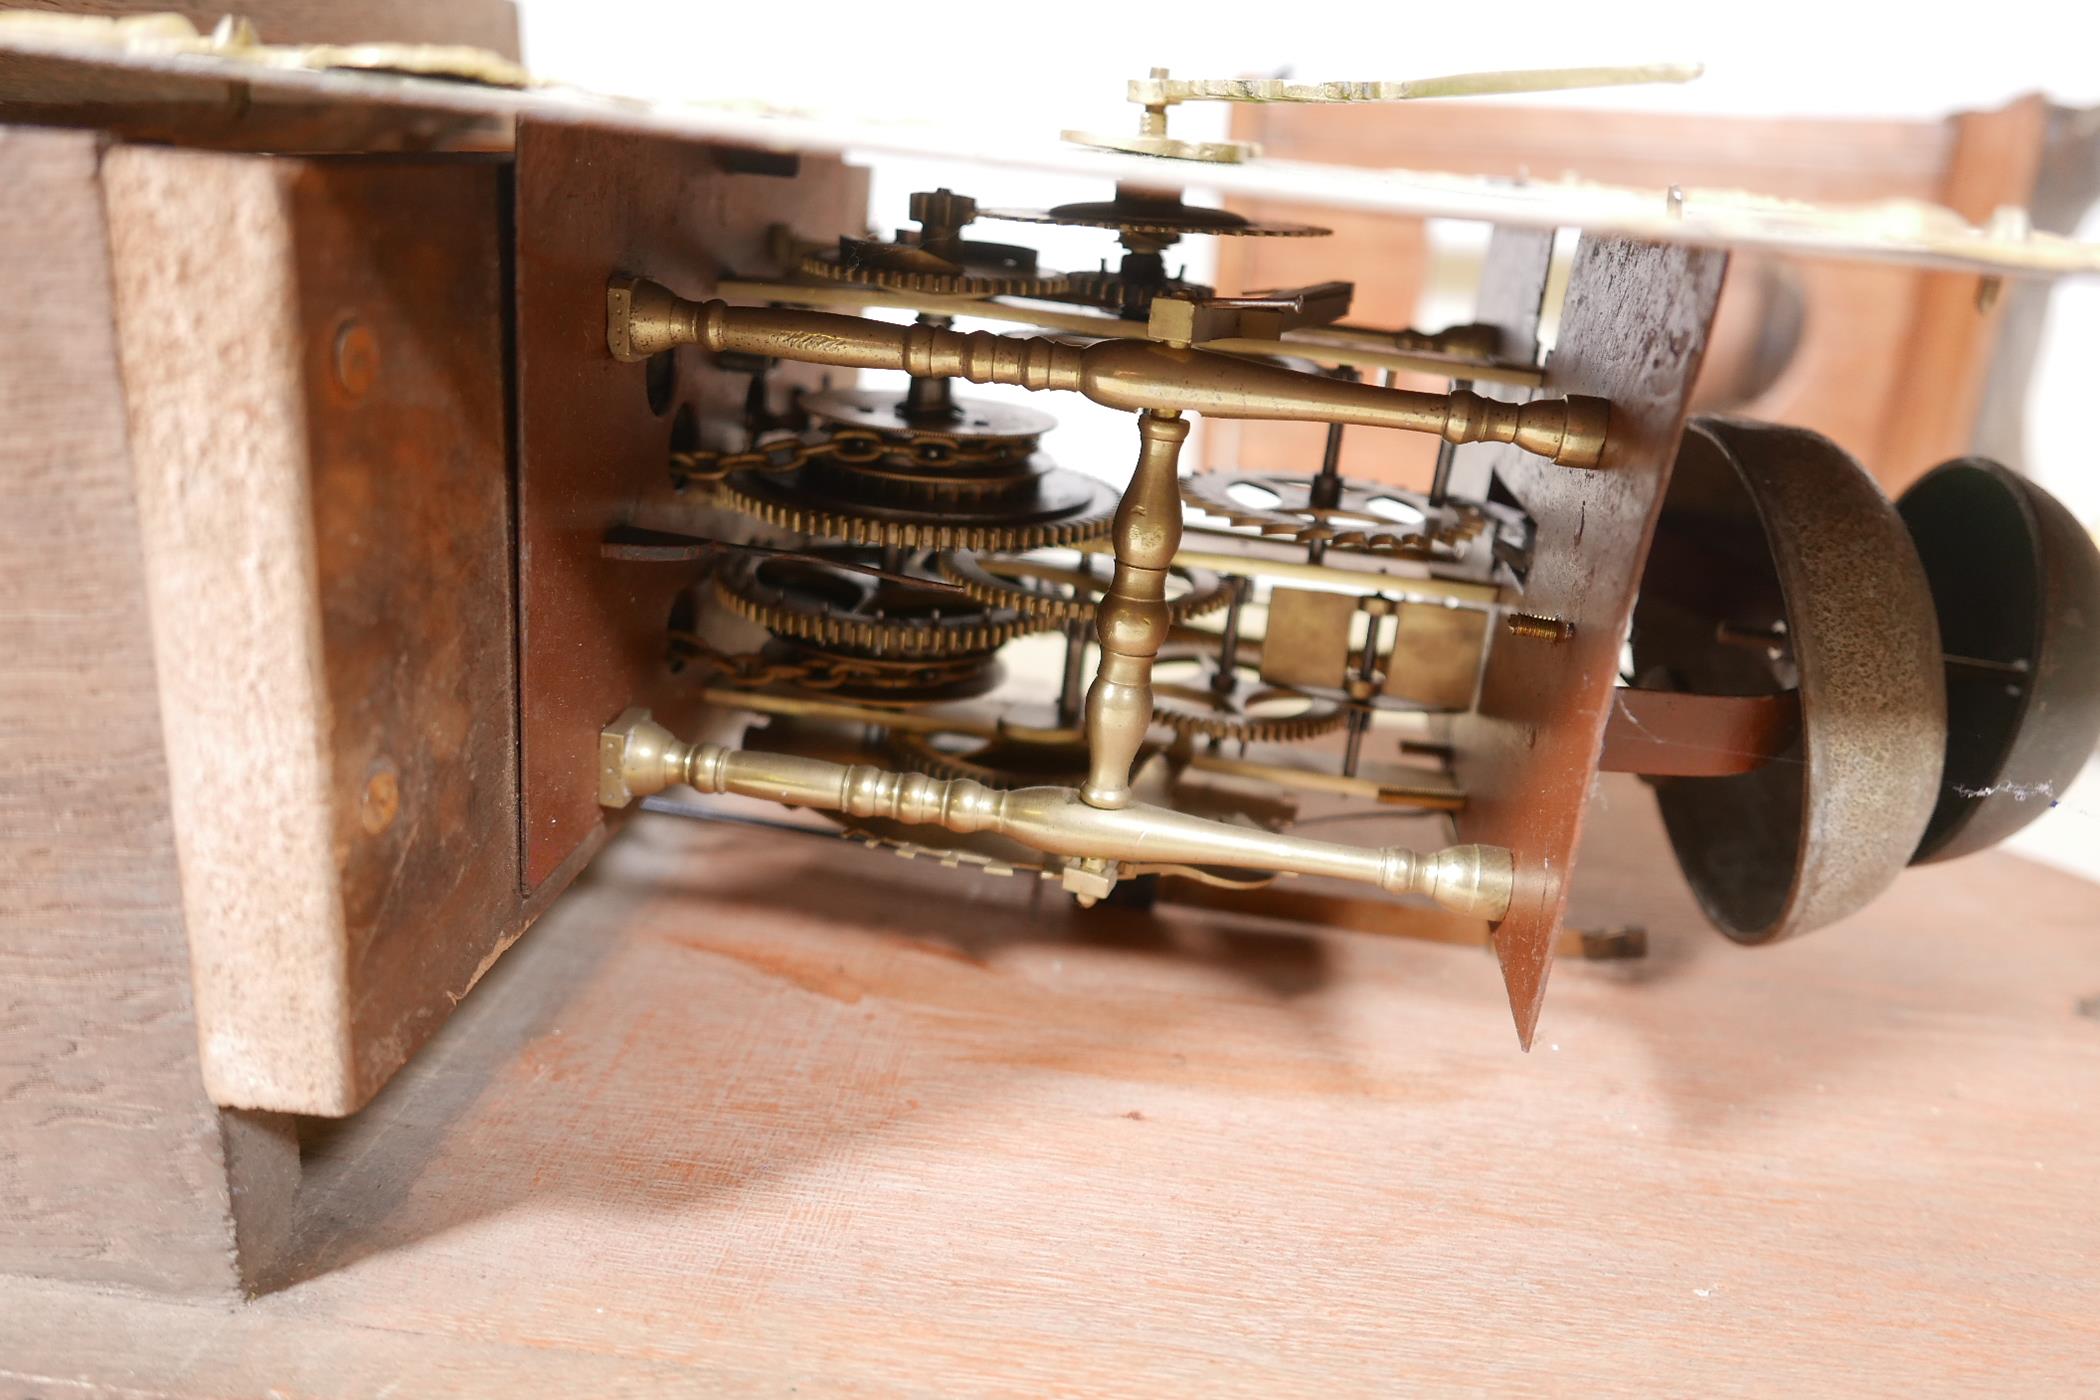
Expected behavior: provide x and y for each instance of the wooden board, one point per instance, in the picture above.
(594, 449)
(748, 1115)
(115, 1169)
(314, 359)
(1632, 331)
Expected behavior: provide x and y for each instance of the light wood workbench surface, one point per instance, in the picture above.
(735, 1118)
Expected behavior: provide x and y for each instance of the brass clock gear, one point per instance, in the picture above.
(916, 470)
(1147, 222)
(1047, 507)
(807, 599)
(1361, 515)
(1188, 698)
(1153, 213)
(935, 258)
(1064, 585)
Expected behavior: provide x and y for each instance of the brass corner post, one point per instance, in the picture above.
(638, 757)
(644, 318)
(1132, 620)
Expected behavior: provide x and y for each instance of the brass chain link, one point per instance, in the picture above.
(847, 446)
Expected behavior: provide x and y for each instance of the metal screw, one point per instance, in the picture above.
(1539, 628)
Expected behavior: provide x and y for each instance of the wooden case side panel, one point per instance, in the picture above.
(209, 337)
(1633, 330)
(111, 1165)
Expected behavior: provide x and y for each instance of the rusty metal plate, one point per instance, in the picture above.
(1779, 565)
(594, 434)
(2016, 585)
(1633, 329)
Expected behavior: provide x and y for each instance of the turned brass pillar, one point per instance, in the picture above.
(1131, 623)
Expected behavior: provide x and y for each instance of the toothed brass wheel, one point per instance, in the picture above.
(1065, 585)
(1041, 508)
(918, 488)
(975, 270)
(1157, 214)
(813, 600)
(1187, 699)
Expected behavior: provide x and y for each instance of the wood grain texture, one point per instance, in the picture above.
(752, 1115)
(1633, 329)
(315, 363)
(593, 451)
(112, 1169)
